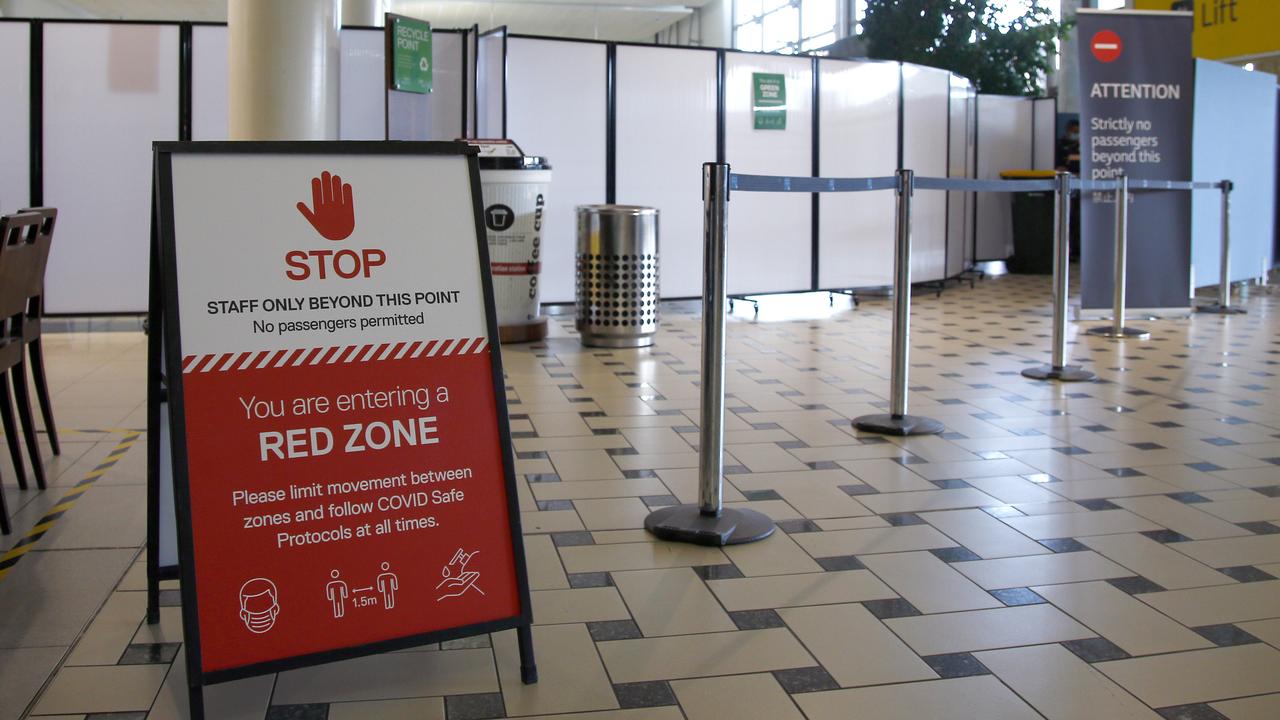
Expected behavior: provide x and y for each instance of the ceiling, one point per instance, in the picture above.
(598, 19)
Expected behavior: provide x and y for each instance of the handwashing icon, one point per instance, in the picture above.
(457, 578)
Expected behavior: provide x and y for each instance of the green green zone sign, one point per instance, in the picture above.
(769, 101)
(411, 55)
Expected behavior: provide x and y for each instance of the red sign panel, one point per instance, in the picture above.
(345, 469)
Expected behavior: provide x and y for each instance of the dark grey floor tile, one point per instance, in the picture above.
(803, 680)
(1017, 596)
(1165, 536)
(791, 527)
(1260, 528)
(955, 554)
(1246, 573)
(1198, 711)
(890, 608)
(1225, 635)
(1135, 585)
(1095, 649)
(756, 619)
(149, 654)
(657, 501)
(590, 580)
(956, 665)
(1063, 545)
(572, 539)
(311, 711)
(840, 562)
(481, 706)
(717, 572)
(170, 598)
(613, 630)
(644, 694)
(858, 489)
(1098, 504)
(757, 495)
(901, 519)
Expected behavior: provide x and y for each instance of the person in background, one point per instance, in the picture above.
(1069, 149)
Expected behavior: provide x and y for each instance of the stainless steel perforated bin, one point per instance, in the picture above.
(617, 278)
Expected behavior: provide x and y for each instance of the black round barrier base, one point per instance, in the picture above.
(687, 523)
(898, 425)
(1066, 373)
(1216, 309)
(1126, 333)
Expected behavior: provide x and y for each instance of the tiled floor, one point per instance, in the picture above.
(1089, 551)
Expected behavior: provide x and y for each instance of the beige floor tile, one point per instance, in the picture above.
(1268, 631)
(550, 521)
(23, 672)
(415, 709)
(655, 440)
(872, 540)
(591, 489)
(1101, 522)
(672, 601)
(689, 656)
(1239, 511)
(766, 457)
(1057, 682)
(668, 712)
(574, 465)
(613, 537)
(740, 696)
(987, 629)
(777, 554)
(111, 631)
(972, 697)
(1013, 489)
(1261, 707)
(773, 509)
(1232, 552)
(885, 475)
(972, 468)
(1129, 623)
(1041, 570)
(580, 605)
(105, 688)
(1155, 561)
(683, 483)
(558, 424)
(391, 675)
(855, 647)
(923, 500)
(638, 556)
(1051, 508)
(821, 501)
(1222, 604)
(570, 676)
(1111, 487)
(853, 523)
(1199, 675)
(543, 563)
(929, 584)
(777, 591)
(983, 534)
(245, 699)
(612, 514)
(1184, 519)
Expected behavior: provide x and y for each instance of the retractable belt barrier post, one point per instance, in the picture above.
(709, 522)
(898, 422)
(1223, 306)
(1058, 368)
(1117, 327)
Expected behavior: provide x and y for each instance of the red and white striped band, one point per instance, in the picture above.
(222, 362)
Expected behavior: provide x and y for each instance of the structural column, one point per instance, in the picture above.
(363, 13)
(282, 79)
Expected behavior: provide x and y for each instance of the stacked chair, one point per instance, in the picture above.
(25, 238)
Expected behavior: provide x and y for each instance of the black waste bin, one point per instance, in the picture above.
(1032, 226)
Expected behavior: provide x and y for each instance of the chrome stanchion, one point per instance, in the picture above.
(898, 422)
(1117, 328)
(1058, 368)
(709, 522)
(1223, 306)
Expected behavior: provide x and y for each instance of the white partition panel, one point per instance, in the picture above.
(436, 115)
(925, 96)
(770, 234)
(858, 137)
(958, 152)
(15, 108)
(469, 72)
(361, 111)
(491, 77)
(1044, 133)
(109, 91)
(666, 129)
(556, 96)
(1004, 143)
(1234, 139)
(209, 82)
(971, 170)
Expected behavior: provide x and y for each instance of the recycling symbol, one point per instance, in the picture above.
(424, 64)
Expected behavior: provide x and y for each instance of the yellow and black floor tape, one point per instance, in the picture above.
(28, 541)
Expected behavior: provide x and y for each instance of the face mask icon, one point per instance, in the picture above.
(259, 605)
